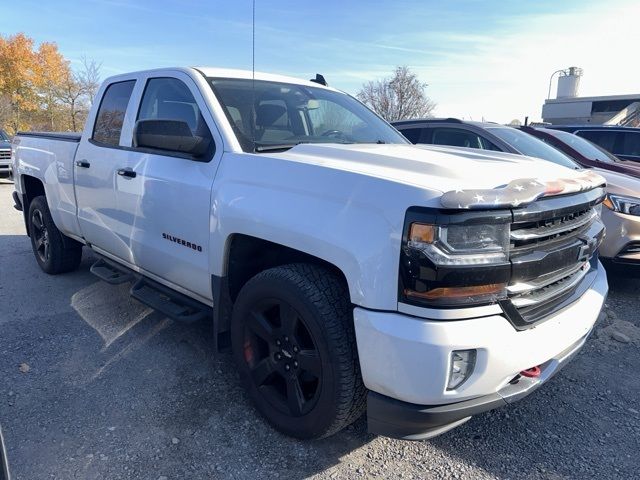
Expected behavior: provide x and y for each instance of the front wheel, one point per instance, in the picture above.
(54, 252)
(293, 342)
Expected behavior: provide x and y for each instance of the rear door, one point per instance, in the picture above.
(98, 158)
(167, 196)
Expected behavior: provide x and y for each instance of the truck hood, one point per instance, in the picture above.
(441, 169)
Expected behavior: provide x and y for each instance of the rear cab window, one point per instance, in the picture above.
(110, 118)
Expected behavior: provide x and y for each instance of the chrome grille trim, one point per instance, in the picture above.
(522, 288)
(551, 290)
(558, 227)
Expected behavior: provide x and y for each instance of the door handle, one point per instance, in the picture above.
(127, 172)
(82, 163)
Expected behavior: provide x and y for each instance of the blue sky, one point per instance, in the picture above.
(482, 59)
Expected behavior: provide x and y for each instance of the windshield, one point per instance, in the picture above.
(4, 136)
(531, 146)
(274, 115)
(582, 146)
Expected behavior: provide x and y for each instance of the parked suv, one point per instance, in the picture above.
(623, 142)
(480, 135)
(623, 190)
(5, 153)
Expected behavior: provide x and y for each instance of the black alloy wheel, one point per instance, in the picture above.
(41, 235)
(293, 341)
(282, 357)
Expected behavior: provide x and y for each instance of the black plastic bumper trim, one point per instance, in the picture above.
(397, 419)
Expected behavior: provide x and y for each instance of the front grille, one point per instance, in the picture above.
(5, 154)
(552, 243)
(547, 230)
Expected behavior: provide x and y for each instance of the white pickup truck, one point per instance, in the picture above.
(350, 270)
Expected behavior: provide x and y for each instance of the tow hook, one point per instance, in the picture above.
(532, 372)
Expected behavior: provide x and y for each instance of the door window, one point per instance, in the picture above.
(631, 144)
(456, 137)
(171, 99)
(605, 139)
(111, 113)
(412, 134)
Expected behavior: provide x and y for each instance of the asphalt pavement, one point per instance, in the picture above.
(97, 386)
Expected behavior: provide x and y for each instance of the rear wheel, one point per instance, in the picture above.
(293, 341)
(54, 252)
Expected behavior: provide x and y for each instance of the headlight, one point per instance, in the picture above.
(461, 244)
(622, 204)
(455, 259)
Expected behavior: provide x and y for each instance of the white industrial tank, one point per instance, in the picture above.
(568, 82)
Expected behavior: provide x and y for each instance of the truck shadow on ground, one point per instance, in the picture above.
(115, 390)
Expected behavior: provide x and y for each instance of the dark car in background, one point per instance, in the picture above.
(5, 153)
(583, 151)
(480, 135)
(623, 142)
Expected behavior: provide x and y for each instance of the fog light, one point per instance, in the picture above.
(461, 367)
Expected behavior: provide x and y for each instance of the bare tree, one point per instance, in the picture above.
(89, 78)
(398, 97)
(78, 91)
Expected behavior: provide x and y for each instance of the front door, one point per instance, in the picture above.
(168, 197)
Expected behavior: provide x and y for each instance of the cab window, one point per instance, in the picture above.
(171, 99)
(110, 118)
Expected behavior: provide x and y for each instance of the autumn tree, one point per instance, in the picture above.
(398, 97)
(18, 79)
(52, 71)
(38, 88)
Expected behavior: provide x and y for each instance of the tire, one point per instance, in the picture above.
(293, 341)
(54, 252)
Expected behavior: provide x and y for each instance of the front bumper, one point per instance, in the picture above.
(394, 418)
(405, 362)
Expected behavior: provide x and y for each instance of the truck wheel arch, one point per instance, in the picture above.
(32, 187)
(245, 257)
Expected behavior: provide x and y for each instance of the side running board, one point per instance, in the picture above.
(110, 272)
(173, 304)
(169, 302)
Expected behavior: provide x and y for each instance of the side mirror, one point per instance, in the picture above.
(170, 135)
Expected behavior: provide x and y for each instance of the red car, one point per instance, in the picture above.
(583, 151)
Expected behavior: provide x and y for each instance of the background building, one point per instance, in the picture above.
(568, 108)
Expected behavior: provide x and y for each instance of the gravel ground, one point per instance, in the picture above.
(95, 385)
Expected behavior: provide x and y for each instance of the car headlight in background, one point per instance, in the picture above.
(454, 260)
(622, 204)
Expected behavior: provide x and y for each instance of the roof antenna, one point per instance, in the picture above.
(320, 79)
(253, 74)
